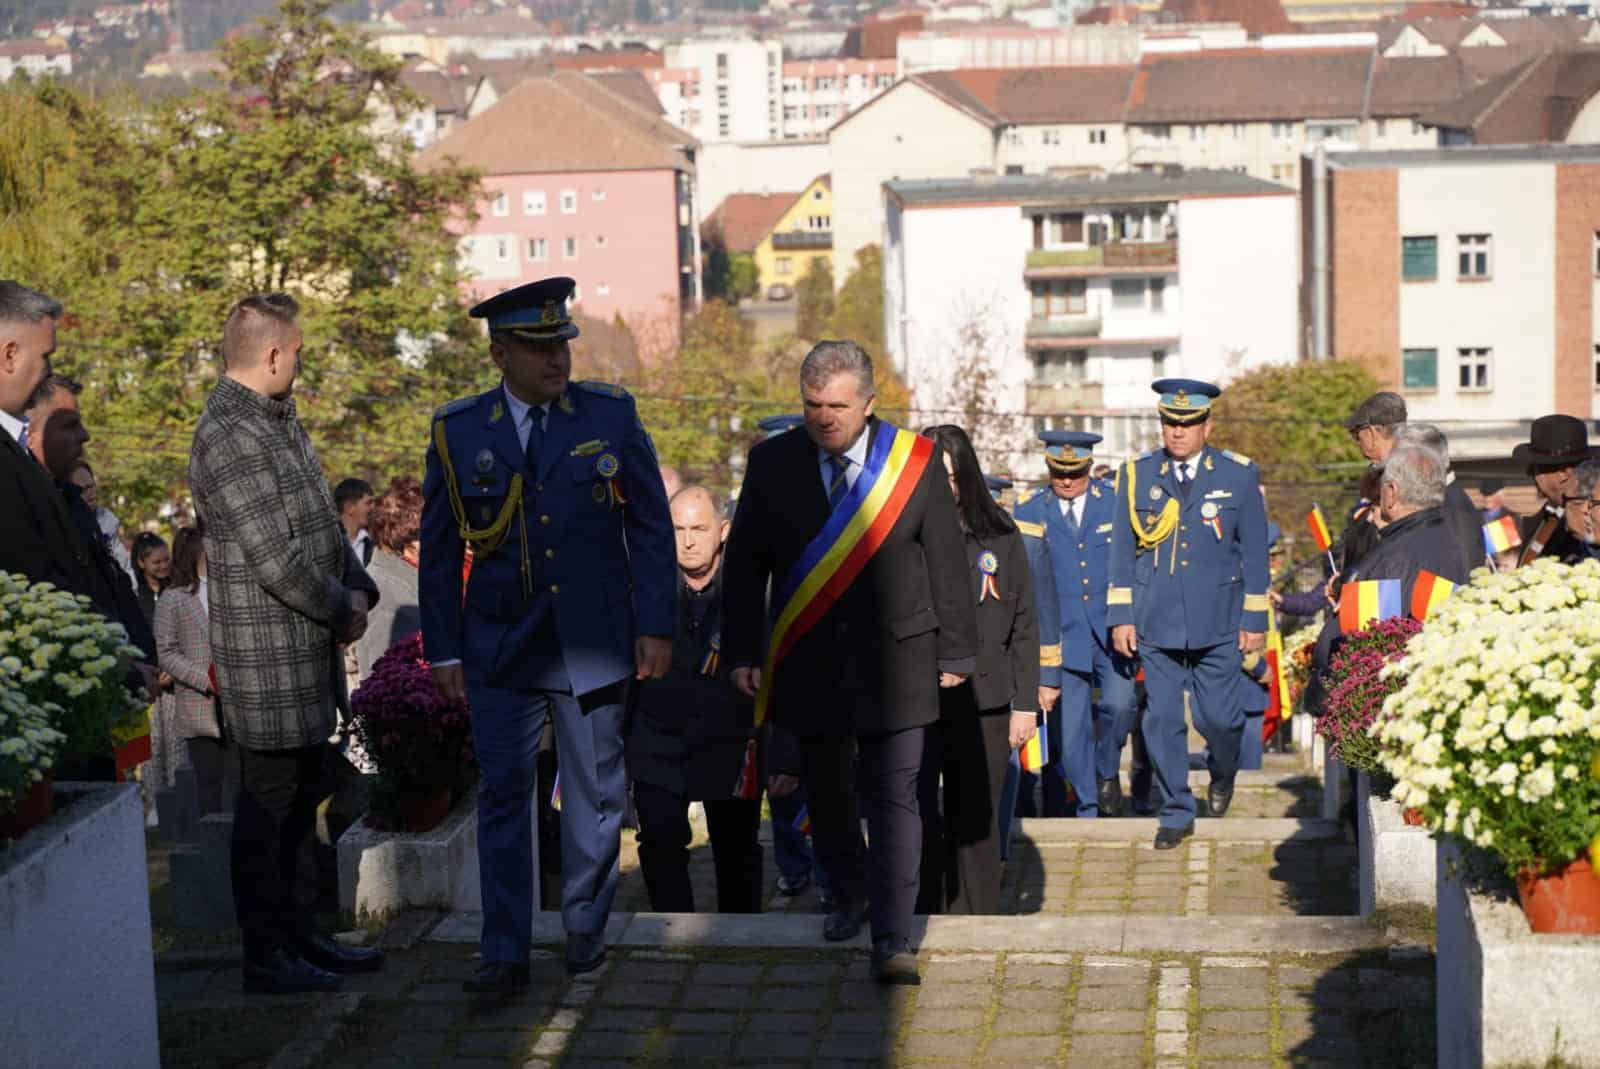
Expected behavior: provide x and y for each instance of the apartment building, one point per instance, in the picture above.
(36, 59)
(1468, 278)
(819, 92)
(612, 206)
(739, 84)
(1063, 298)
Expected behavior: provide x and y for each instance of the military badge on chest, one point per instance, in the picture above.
(1212, 517)
(988, 566)
(608, 491)
(708, 664)
(482, 478)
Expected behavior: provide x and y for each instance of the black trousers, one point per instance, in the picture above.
(274, 843)
(885, 772)
(664, 835)
(960, 824)
(208, 756)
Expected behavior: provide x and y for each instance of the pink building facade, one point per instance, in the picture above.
(623, 235)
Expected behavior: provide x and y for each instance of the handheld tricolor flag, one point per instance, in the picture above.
(748, 785)
(1428, 593)
(1319, 528)
(1367, 602)
(555, 792)
(1501, 535)
(802, 821)
(1035, 753)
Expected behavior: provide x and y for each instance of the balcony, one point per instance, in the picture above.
(803, 239)
(1078, 326)
(1103, 259)
(1059, 398)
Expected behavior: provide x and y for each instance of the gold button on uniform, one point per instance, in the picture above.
(549, 554)
(545, 520)
(555, 588)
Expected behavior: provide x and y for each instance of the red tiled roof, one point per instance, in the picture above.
(1036, 95)
(742, 220)
(610, 58)
(1532, 103)
(1242, 85)
(1256, 16)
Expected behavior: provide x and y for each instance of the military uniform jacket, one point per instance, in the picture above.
(688, 732)
(1207, 579)
(1081, 567)
(871, 663)
(594, 552)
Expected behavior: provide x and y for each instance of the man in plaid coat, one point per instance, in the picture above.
(285, 588)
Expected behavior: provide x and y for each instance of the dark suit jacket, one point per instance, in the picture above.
(1008, 629)
(1465, 522)
(687, 734)
(871, 664)
(37, 537)
(1561, 546)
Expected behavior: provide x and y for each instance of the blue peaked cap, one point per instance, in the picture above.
(998, 484)
(774, 425)
(1185, 400)
(537, 310)
(1068, 452)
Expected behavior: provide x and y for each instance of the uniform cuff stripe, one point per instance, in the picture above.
(1256, 603)
(1120, 595)
(1050, 656)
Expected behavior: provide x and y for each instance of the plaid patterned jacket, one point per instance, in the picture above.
(280, 569)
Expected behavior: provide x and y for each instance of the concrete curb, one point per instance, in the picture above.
(309, 1049)
(1022, 933)
(1125, 831)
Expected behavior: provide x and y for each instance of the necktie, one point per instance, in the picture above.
(1071, 516)
(535, 438)
(22, 439)
(838, 486)
(1183, 479)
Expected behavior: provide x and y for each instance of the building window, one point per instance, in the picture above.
(598, 195)
(599, 241)
(1060, 367)
(1419, 259)
(1014, 168)
(816, 194)
(602, 289)
(1597, 252)
(1380, 127)
(1158, 363)
(1060, 297)
(502, 204)
(569, 248)
(785, 265)
(1282, 131)
(1158, 292)
(1419, 369)
(1013, 137)
(722, 64)
(1473, 365)
(1159, 132)
(1474, 255)
(533, 202)
(569, 201)
(1197, 133)
(827, 111)
(502, 250)
(538, 249)
(819, 222)
(1283, 172)
(791, 113)
(1237, 130)
(1049, 137)
(1097, 136)
(1597, 367)
(1127, 294)
(722, 96)
(722, 125)
(884, 81)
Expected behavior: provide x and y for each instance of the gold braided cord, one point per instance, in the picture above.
(1158, 532)
(484, 540)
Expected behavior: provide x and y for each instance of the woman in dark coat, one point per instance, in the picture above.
(984, 719)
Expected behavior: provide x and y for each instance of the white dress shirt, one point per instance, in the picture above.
(1074, 507)
(856, 456)
(12, 425)
(522, 415)
(1190, 467)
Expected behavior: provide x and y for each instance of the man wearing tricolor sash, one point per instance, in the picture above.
(854, 527)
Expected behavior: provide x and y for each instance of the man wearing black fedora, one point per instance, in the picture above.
(1556, 446)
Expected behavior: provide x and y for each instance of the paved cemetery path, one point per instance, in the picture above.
(1239, 949)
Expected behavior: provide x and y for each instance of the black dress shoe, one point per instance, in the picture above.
(1170, 838)
(893, 962)
(585, 953)
(843, 923)
(283, 973)
(1219, 796)
(496, 978)
(328, 953)
(1111, 797)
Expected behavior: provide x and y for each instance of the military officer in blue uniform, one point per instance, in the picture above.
(555, 487)
(1076, 514)
(1188, 595)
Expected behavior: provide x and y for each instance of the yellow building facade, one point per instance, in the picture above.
(803, 233)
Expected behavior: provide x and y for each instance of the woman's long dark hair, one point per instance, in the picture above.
(981, 515)
(143, 543)
(187, 545)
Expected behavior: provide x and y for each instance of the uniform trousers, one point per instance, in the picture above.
(664, 836)
(1072, 747)
(506, 729)
(885, 770)
(959, 791)
(1212, 676)
(1115, 710)
(791, 847)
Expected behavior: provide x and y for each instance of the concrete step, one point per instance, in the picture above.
(1043, 832)
(1020, 934)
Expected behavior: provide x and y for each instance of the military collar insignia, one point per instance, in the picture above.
(565, 403)
(1165, 467)
(497, 412)
(1207, 463)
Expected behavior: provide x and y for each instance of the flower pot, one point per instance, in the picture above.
(31, 809)
(423, 812)
(1564, 901)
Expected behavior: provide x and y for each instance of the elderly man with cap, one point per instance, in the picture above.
(1556, 446)
(1085, 739)
(1188, 594)
(556, 486)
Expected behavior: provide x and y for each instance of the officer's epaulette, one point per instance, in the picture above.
(1149, 455)
(604, 389)
(1237, 458)
(1027, 497)
(1033, 530)
(460, 404)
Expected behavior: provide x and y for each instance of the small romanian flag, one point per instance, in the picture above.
(1501, 535)
(1368, 601)
(1428, 593)
(555, 793)
(1035, 753)
(1319, 528)
(802, 821)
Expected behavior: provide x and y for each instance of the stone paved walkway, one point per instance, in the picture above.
(1236, 950)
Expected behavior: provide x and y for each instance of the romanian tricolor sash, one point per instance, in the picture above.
(858, 526)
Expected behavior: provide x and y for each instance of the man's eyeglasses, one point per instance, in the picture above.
(1580, 502)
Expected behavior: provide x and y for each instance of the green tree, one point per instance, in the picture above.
(814, 299)
(744, 280)
(858, 306)
(274, 181)
(1288, 419)
(714, 269)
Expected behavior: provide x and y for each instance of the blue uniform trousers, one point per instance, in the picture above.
(1212, 675)
(1072, 744)
(506, 726)
(1114, 713)
(1251, 748)
(791, 847)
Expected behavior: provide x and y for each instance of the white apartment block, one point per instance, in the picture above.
(33, 58)
(819, 92)
(739, 85)
(1061, 299)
